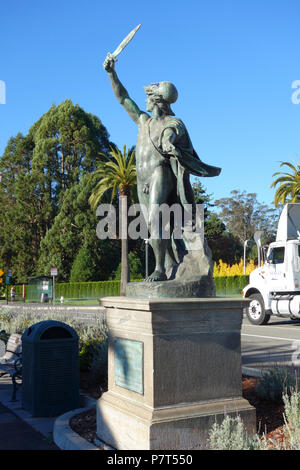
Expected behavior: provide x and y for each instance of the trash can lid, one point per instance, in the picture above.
(47, 330)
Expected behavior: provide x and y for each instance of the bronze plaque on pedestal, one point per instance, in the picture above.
(129, 360)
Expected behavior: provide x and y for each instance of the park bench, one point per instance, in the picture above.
(11, 360)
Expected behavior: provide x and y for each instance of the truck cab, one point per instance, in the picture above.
(274, 288)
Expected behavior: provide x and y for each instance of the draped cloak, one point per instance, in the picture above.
(184, 161)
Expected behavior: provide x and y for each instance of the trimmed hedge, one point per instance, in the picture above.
(225, 285)
(87, 290)
(228, 285)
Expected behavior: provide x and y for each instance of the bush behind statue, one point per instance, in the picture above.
(275, 382)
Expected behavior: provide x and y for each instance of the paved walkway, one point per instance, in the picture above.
(16, 434)
(18, 429)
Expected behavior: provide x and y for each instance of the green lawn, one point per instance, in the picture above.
(79, 302)
(66, 302)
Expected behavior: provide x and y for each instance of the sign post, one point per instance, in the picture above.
(1, 276)
(8, 280)
(53, 273)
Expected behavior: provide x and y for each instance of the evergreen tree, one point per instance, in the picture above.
(75, 227)
(223, 244)
(19, 210)
(37, 171)
(243, 215)
(135, 265)
(84, 267)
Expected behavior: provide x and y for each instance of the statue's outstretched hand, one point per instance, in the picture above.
(109, 63)
(169, 148)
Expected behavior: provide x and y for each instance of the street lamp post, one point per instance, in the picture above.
(257, 239)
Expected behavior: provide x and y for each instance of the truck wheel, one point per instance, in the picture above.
(256, 311)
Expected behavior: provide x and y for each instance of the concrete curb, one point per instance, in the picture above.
(252, 372)
(67, 439)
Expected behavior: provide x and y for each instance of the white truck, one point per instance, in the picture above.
(274, 288)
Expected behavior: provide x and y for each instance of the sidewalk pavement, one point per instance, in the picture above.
(18, 429)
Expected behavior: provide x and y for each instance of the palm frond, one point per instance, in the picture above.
(282, 179)
(290, 165)
(116, 172)
(289, 184)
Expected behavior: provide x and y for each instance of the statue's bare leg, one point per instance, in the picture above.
(162, 185)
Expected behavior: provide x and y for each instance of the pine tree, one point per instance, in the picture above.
(75, 227)
(84, 268)
(37, 171)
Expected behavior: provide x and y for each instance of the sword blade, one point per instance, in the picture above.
(125, 42)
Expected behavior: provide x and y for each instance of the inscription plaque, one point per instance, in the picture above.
(129, 360)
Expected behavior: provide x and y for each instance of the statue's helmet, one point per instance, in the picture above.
(166, 90)
(163, 91)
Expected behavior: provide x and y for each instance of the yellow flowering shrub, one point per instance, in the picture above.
(237, 269)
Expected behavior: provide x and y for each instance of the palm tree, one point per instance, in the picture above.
(289, 189)
(118, 174)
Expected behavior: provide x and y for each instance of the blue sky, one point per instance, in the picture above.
(233, 63)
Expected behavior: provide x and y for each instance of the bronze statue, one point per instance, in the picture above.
(165, 158)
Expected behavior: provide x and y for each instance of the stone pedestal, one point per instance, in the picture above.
(174, 368)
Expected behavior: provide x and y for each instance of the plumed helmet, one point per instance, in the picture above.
(166, 90)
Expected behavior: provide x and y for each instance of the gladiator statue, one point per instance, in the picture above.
(165, 158)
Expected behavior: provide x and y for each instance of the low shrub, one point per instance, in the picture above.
(223, 269)
(274, 383)
(231, 435)
(292, 420)
(92, 350)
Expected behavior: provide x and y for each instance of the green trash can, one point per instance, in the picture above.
(50, 369)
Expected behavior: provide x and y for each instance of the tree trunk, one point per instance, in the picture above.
(63, 169)
(124, 245)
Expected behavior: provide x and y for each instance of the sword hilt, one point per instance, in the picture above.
(109, 60)
(113, 57)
